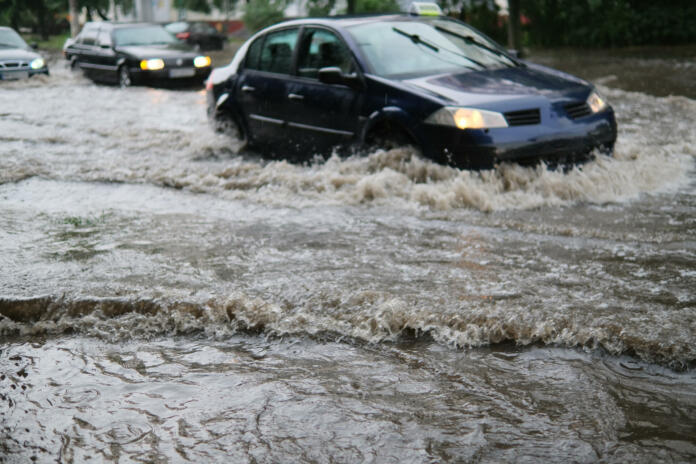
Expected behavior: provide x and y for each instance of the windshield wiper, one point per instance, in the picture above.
(10, 45)
(415, 38)
(471, 40)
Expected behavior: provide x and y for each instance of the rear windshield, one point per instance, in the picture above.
(145, 35)
(10, 39)
(422, 47)
(175, 28)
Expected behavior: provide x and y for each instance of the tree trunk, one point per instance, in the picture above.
(41, 18)
(351, 7)
(514, 35)
(74, 19)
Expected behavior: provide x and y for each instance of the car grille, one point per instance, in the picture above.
(178, 62)
(578, 110)
(14, 64)
(523, 118)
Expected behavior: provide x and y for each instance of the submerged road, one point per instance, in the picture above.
(164, 298)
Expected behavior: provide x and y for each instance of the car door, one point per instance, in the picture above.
(105, 56)
(322, 115)
(89, 52)
(261, 88)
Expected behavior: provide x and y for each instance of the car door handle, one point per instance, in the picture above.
(294, 96)
(248, 88)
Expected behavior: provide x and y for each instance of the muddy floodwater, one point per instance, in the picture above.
(164, 298)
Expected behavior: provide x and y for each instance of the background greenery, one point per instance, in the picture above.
(609, 23)
(547, 23)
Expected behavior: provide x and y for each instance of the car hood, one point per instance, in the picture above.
(488, 88)
(160, 51)
(17, 54)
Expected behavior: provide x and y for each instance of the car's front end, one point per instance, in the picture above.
(560, 131)
(466, 102)
(17, 60)
(151, 54)
(22, 66)
(153, 67)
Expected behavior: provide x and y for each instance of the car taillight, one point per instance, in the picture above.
(183, 35)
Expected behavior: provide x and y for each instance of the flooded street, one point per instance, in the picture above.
(164, 298)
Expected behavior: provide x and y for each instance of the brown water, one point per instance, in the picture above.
(660, 71)
(164, 299)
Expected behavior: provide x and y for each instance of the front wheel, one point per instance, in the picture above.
(124, 77)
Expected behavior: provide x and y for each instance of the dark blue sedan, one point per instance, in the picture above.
(305, 86)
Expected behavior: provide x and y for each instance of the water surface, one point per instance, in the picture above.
(164, 298)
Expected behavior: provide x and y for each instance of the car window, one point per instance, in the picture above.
(276, 54)
(251, 61)
(418, 47)
(175, 28)
(104, 38)
(203, 28)
(143, 35)
(321, 48)
(10, 39)
(89, 36)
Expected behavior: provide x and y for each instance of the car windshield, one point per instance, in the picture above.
(175, 28)
(10, 39)
(411, 48)
(145, 35)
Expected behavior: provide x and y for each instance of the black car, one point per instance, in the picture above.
(429, 81)
(17, 59)
(134, 53)
(199, 33)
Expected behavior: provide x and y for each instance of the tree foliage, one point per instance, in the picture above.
(609, 22)
(204, 6)
(326, 7)
(50, 16)
(261, 13)
(376, 6)
(320, 7)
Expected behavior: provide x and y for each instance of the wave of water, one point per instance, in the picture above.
(76, 131)
(161, 137)
(372, 317)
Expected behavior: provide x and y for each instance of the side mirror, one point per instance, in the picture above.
(334, 75)
(331, 75)
(517, 54)
(34, 45)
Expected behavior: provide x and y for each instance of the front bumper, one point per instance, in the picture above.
(170, 74)
(21, 73)
(556, 141)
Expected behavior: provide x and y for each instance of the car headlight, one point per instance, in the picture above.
(467, 118)
(201, 61)
(37, 63)
(596, 102)
(152, 65)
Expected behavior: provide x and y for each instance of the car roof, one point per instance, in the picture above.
(349, 20)
(119, 25)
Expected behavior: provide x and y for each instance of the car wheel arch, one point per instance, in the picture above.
(228, 112)
(389, 121)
